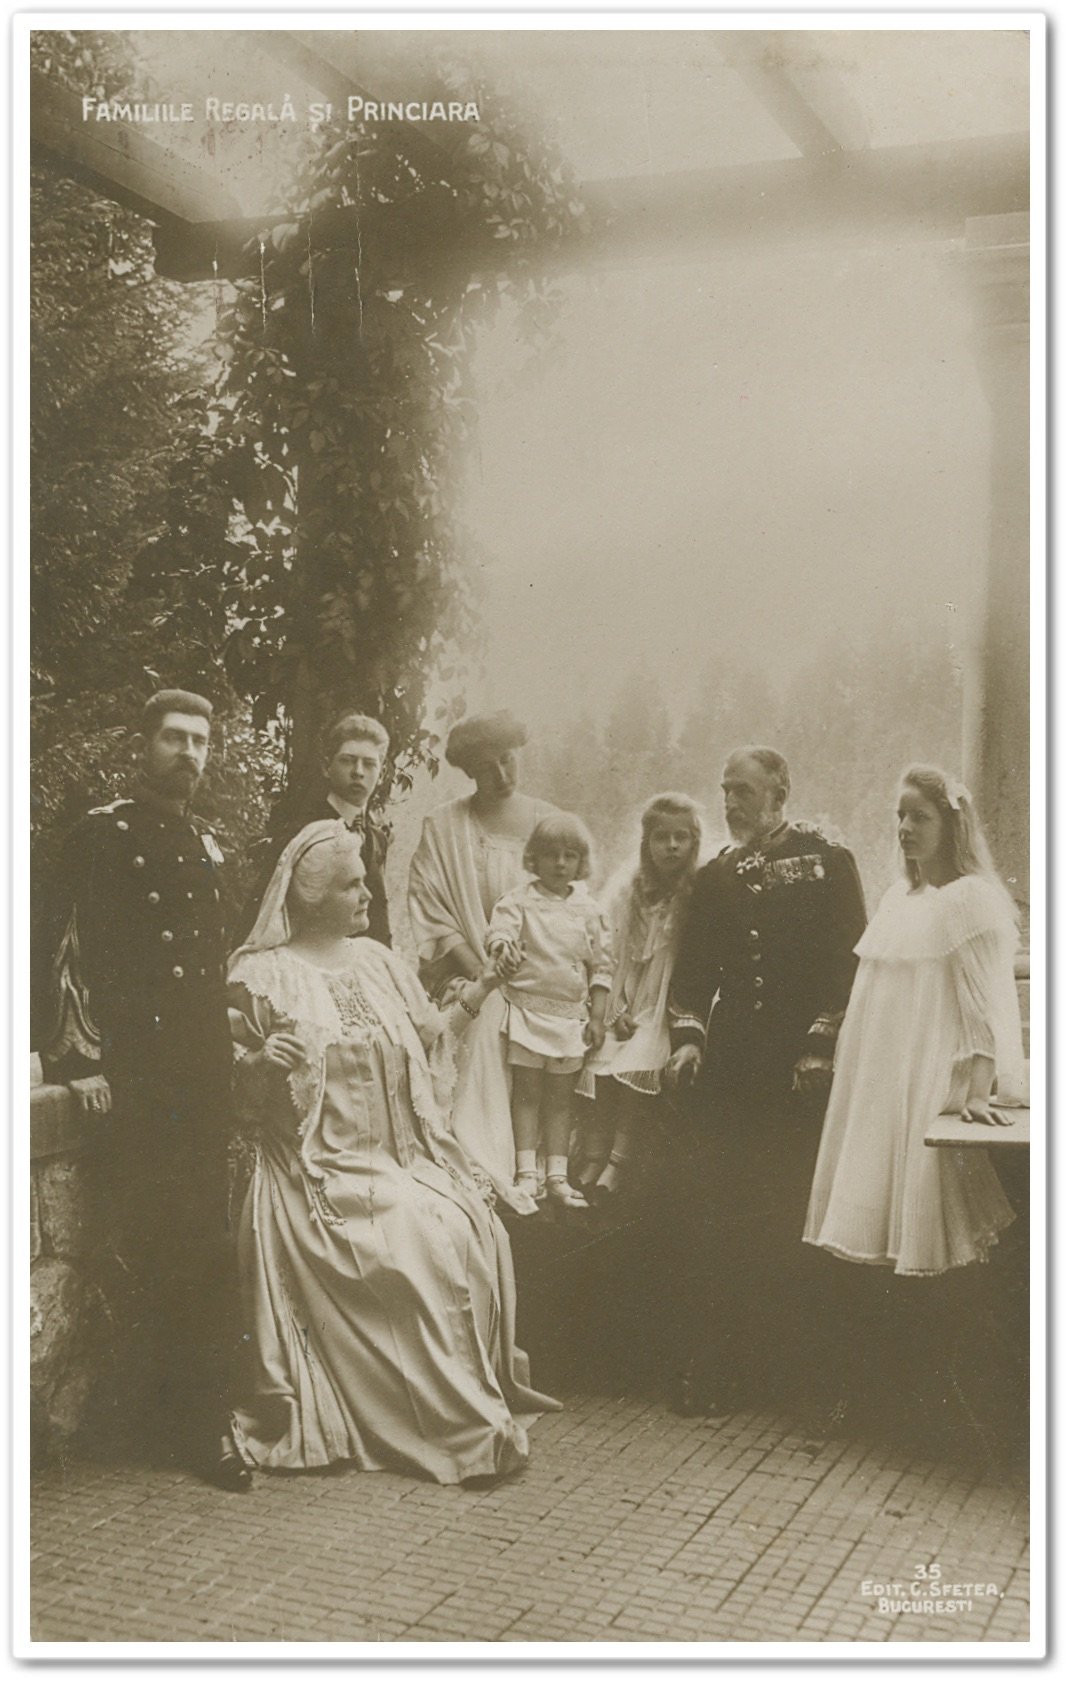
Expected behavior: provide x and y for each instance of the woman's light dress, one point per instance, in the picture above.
(377, 1284)
(459, 871)
(935, 986)
(643, 938)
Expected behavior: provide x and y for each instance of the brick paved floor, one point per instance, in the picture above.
(630, 1525)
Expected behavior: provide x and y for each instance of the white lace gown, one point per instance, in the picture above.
(378, 1287)
(935, 987)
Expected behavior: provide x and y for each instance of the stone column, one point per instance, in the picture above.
(997, 693)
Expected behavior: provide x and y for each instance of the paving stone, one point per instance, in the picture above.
(630, 1525)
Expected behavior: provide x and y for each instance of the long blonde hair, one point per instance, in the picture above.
(962, 834)
(646, 888)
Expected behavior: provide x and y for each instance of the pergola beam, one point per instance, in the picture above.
(780, 96)
(808, 102)
(121, 161)
(930, 189)
(200, 230)
(340, 66)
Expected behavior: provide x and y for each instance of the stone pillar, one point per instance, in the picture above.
(997, 692)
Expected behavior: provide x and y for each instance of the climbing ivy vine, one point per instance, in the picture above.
(311, 540)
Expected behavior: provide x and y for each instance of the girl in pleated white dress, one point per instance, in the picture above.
(644, 913)
(932, 1026)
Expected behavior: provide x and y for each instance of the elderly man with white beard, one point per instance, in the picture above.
(758, 992)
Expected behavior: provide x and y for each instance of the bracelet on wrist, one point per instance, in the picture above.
(470, 1010)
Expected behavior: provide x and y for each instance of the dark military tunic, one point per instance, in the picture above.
(766, 961)
(139, 976)
(761, 982)
(138, 996)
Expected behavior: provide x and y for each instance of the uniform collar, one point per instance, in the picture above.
(773, 838)
(144, 796)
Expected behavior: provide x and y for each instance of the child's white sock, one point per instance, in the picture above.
(556, 1167)
(526, 1162)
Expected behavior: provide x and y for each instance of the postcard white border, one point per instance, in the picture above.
(1034, 23)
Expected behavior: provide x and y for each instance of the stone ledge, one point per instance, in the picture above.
(57, 1126)
(950, 1130)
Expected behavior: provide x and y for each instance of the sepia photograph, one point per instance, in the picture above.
(531, 529)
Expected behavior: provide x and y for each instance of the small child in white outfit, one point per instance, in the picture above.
(550, 944)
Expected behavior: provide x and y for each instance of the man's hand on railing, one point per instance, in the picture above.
(92, 1094)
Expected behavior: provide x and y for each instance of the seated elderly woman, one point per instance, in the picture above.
(377, 1284)
(468, 857)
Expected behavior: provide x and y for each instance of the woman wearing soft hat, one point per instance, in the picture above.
(469, 855)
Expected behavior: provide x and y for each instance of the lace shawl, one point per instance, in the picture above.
(300, 998)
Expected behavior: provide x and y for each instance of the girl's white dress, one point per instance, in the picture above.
(935, 986)
(643, 945)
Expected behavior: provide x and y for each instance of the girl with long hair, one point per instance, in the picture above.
(644, 914)
(932, 1026)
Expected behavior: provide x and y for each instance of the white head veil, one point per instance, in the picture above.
(273, 926)
(301, 994)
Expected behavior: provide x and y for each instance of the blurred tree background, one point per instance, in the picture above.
(250, 489)
(848, 721)
(119, 367)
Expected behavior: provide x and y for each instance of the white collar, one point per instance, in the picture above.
(576, 891)
(345, 809)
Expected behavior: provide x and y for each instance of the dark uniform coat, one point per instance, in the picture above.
(761, 982)
(138, 977)
(766, 961)
(138, 996)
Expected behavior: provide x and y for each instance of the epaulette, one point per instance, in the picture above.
(832, 837)
(113, 806)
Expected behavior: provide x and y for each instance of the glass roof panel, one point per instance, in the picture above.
(625, 102)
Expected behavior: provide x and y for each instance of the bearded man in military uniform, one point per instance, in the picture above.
(140, 1033)
(759, 989)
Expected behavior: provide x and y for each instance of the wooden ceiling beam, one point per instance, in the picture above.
(928, 189)
(807, 100)
(340, 66)
(122, 161)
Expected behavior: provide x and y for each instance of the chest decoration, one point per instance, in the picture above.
(212, 848)
(759, 873)
(804, 867)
